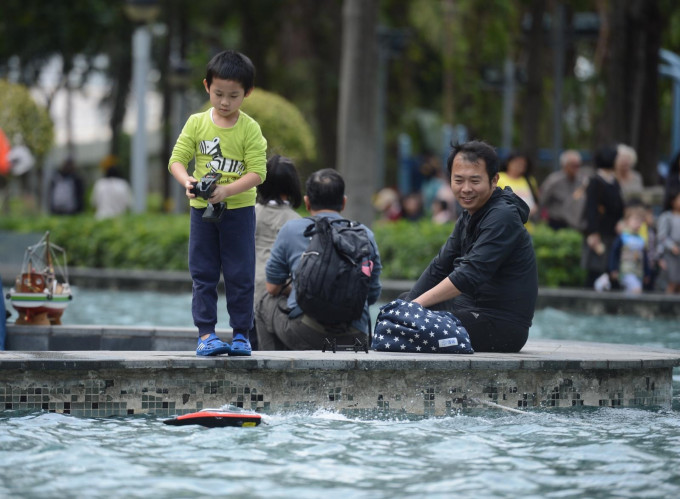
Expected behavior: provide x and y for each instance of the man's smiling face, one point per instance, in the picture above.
(470, 183)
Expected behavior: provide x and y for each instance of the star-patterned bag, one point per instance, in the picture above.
(404, 326)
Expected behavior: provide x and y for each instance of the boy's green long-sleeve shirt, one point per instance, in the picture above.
(231, 151)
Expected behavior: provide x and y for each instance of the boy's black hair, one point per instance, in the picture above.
(231, 65)
(325, 190)
(282, 178)
(474, 151)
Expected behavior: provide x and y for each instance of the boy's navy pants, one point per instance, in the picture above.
(227, 246)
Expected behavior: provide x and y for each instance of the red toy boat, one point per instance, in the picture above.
(217, 418)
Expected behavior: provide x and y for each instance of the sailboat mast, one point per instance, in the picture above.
(48, 253)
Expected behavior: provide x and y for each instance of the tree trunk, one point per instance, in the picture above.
(647, 128)
(356, 155)
(531, 108)
(121, 69)
(448, 49)
(168, 138)
(630, 114)
(327, 48)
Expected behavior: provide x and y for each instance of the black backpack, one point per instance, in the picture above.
(334, 273)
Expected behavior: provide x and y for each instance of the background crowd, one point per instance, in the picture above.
(631, 241)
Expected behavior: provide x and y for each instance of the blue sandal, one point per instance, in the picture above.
(212, 345)
(240, 346)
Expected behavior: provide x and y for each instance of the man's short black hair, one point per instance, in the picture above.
(282, 178)
(474, 151)
(231, 65)
(325, 190)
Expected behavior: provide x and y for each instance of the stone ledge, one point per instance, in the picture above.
(537, 355)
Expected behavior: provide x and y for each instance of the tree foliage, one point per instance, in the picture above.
(295, 45)
(19, 114)
(33, 32)
(283, 125)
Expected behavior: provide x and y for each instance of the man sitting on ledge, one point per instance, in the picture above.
(485, 273)
(281, 323)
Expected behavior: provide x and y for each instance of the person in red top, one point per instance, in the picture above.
(5, 167)
(5, 147)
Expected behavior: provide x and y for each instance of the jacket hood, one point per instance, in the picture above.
(498, 196)
(507, 196)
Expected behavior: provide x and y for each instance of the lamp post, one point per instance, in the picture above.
(141, 12)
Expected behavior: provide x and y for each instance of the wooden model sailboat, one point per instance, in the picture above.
(41, 292)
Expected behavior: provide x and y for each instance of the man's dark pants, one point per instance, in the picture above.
(276, 330)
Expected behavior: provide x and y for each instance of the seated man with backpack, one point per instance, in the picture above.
(322, 274)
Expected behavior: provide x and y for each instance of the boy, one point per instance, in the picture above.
(628, 263)
(227, 141)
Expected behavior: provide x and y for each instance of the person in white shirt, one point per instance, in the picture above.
(112, 195)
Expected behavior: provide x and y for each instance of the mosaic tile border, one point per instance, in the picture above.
(168, 392)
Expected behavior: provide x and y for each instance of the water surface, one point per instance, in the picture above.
(565, 453)
(593, 453)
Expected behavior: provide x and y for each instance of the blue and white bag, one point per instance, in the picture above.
(404, 326)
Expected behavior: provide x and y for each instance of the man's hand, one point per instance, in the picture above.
(278, 289)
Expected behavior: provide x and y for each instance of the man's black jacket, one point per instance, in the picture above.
(490, 258)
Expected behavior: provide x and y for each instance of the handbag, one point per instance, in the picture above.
(404, 326)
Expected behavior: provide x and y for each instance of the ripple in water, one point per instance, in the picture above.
(599, 452)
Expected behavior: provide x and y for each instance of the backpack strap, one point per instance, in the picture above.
(311, 228)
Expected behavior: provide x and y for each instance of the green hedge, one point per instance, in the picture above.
(160, 242)
(283, 125)
(406, 248)
(558, 257)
